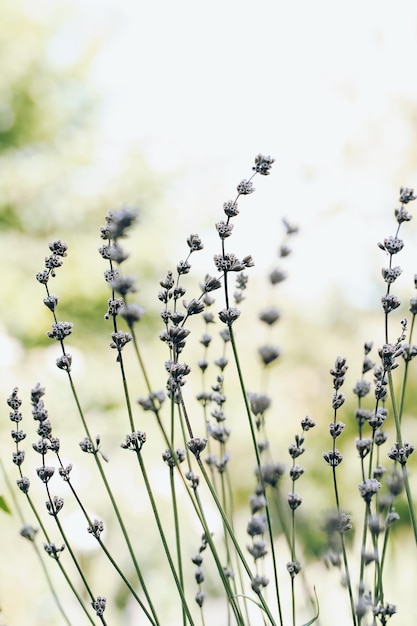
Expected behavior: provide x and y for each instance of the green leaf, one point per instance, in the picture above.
(4, 506)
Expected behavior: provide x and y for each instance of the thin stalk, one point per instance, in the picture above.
(113, 502)
(35, 547)
(163, 538)
(403, 466)
(233, 537)
(258, 463)
(344, 553)
(177, 534)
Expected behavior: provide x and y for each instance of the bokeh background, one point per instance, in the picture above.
(163, 106)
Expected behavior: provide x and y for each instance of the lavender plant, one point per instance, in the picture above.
(248, 560)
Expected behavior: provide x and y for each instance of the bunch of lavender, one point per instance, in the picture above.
(199, 446)
(379, 487)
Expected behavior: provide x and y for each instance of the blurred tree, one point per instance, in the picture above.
(51, 184)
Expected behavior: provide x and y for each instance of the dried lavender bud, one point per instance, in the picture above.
(18, 457)
(199, 575)
(230, 208)
(177, 317)
(60, 330)
(344, 523)
(23, 484)
(307, 423)
(381, 390)
(390, 274)
(336, 429)
(183, 267)
(96, 528)
(224, 229)
(413, 306)
(221, 362)
(294, 500)
(123, 284)
(293, 568)
(51, 302)
(64, 362)
(263, 164)
(86, 445)
(390, 303)
(277, 276)
(296, 471)
(362, 388)
(333, 458)
(42, 277)
(170, 460)
(367, 365)
(257, 502)
(377, 419)
(175, 336)
(39, 411)
(18, 435)
(245, 187)
(45, 473)
(268, 354)
(401, 453)
(194, 307)
(375, 525)
(199, 598)
(295, 450)
(228, 263)
(363, 447)
(406, 195)
(54, 507)
(134, 441)
(41, 446)
(193, 478)
(13, 401)
(362, 415)
(337, 400)
(408, 352)
(196, 445)
(203, 364)
(391, 517)
(257, 525)
(339, 370)
(210, 284)
(120, 339)
(52, 262)
(392, 245)
(194, 243)
(64, 472)
(258, 582)
(368, 488)
(99, 605)
(270, 316)
(218, 432)
(258, 549)
(113, 307)
(52, 551)
(44, 429)
(230, 315)
(259, 403)
(208, 317)
(110, 275)
(118, 222)
(28, 532)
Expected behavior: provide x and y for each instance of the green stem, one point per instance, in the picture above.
(258, 463)
(403, 467)
(114, 503)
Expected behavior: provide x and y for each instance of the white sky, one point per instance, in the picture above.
(326, 87)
